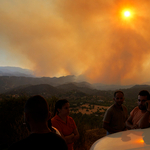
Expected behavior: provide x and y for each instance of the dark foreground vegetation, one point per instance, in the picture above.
(89, 125)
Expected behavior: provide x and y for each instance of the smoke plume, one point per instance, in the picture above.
(78, 37)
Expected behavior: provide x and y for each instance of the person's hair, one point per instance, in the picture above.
(144, 93)
(59, 104)
(50, 126)
(37, 107)
(118, 91)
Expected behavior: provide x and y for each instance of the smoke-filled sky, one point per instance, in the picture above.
(91, 38)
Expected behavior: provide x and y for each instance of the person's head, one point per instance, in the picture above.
(62, 107)
(36, 110)
(118, 97)
(143, 96)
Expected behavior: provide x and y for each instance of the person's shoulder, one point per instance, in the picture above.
(54, 135)
(124, 107)
(136, 108)
(110, 108)
(40, 141)
(18, 145)
(70, 119)
(55, 119)
(58, 139)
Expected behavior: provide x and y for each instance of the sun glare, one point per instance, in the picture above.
(140, 141)
(127, 13)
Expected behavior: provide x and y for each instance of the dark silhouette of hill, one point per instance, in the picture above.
(83, 84)
(100, 86)
(10, 82)
(81, 87)
(132, 92)
(42, 89)
(140, 87)
(48, 90)
(65, 84)
(68, 87)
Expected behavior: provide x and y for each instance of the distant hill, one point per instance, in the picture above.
(82, 87)
(140, 87)
(10, 82)
(42, 86)
(41, 89)
(46, 91)
(15, 71)
(16, 79)
(132, 92)
(100, 86)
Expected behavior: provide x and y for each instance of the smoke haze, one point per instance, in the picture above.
(78, 37)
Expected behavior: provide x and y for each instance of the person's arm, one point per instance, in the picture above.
(107, 127)
(130, 125)
(72, 137)
(106, 121)
(144, 121)
(68, 138)
(76, 134)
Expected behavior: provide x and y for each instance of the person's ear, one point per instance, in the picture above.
(59, 110)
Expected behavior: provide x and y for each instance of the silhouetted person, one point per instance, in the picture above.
(116, 115)
(41, 137)
(140, 115)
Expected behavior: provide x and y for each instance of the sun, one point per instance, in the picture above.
(127, 13)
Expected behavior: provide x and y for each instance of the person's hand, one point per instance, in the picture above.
(148, 105)
(135, 126)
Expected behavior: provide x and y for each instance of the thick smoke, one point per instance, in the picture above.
(89, 38)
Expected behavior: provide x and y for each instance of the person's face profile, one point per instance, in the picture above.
(65, 109)
(142, 102)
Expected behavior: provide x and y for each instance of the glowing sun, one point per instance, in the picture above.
(127, 13)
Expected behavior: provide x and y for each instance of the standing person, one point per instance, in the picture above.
(116, 115)
(140, 115)
(64, 123)
(41, 137)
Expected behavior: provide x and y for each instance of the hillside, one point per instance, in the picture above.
(41, 89)
(85, 88)
(10, 82)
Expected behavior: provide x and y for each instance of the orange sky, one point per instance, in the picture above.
(78, 37)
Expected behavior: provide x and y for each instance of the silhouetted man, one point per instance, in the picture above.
(116, 115)
(140, 115)
(41, 137)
